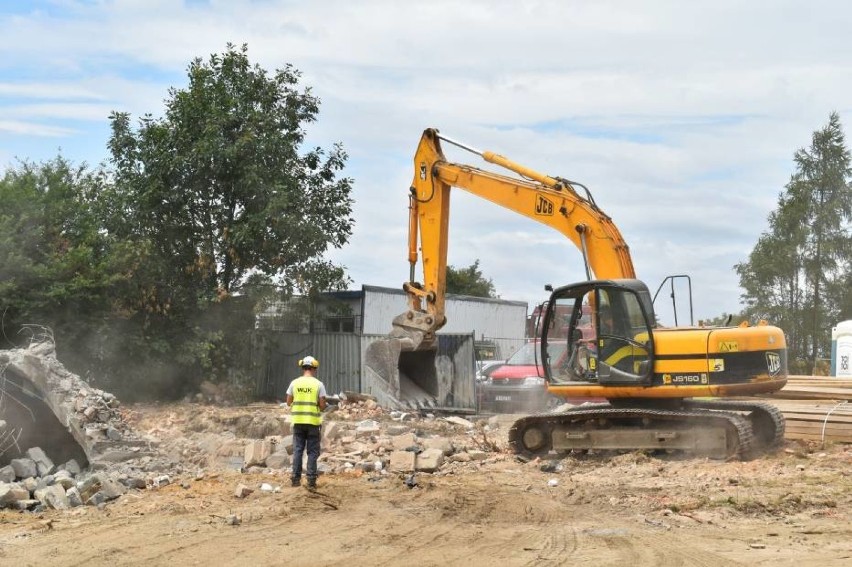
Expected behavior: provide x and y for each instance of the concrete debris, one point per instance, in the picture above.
(257, 452)
(27, 489)
(440, 443)
(401, 442)
(7, 474)
(459, 421)
(367, 428)
(161, 481)
(278, 461)
(429, 460)
(111, 458)
(75, 420)
(394, 430)
(24, 468)
(402, 461)
(42, 462)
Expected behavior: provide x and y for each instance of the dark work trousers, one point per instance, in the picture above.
(305, 436)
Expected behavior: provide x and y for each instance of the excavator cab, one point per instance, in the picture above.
(613, 346)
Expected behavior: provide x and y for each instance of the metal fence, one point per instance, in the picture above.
(275, 357)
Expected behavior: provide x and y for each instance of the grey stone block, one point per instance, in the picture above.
(7, 474)
(404, 440)
(402, 461)
(442, 443)
(24, 468)
(111, 489)
(53, 497)
(89, 487)
(28, 504)
(394, 430)
(42, 461)
(134, 482)
(430, 460)
(74, 499)
(11, 493)
(72, 467)
(280, 460)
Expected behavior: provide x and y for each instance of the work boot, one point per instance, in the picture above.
(312, 484)
(295, 482)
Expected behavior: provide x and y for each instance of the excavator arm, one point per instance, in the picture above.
(551, 201)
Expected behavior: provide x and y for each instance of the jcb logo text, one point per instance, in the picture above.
(543, 206)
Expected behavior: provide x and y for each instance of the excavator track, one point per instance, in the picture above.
(716, 433)
(767, 421)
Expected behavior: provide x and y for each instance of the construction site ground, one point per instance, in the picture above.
(628, 509)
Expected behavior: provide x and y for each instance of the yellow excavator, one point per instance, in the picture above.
(660, 383)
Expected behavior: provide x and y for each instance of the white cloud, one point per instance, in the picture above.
(32, 129)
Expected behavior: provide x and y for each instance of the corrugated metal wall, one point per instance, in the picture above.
(381, 305)
(481, 316)
(341, 357)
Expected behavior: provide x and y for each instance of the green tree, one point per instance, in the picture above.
(58, 269)
(135, 270)
(218, 189)
(469, 281)
(798, 273)
(217, 194)
(47, 245)
(725, 319)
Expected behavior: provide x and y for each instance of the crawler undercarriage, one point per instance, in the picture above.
(715, 429)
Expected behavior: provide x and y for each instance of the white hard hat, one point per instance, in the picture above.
(309, 361)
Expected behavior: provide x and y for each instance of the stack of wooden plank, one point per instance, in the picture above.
(817, 408)
(817, 420)
(816, 388)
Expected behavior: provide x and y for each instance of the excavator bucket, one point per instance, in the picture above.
(412, 368)
(402, 378)
(401, 368)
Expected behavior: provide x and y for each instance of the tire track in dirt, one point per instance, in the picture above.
(630, 546)
(512, 530)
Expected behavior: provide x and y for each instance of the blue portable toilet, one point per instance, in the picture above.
(841, 350)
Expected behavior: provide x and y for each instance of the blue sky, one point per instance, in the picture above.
(681, 117)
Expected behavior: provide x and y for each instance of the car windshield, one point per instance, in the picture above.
(528, 354)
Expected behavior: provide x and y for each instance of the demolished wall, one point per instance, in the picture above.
(45, 405)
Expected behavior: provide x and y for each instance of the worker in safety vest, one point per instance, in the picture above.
(306, 398)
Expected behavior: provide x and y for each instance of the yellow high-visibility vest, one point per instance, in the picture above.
(305, 408)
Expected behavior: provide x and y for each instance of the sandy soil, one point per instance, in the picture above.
(791, 508)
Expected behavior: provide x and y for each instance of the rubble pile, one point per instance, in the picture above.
(110, 457)
(362, 437)
(358, 436)
(141, 450)
(90, 415)
(35, 483)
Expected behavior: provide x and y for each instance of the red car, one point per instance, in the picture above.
(518, 385)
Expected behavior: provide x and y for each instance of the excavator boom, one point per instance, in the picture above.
(552, 201)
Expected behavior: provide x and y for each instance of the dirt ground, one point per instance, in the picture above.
(790, 508)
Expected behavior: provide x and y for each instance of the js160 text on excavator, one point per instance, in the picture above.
(662, 384)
